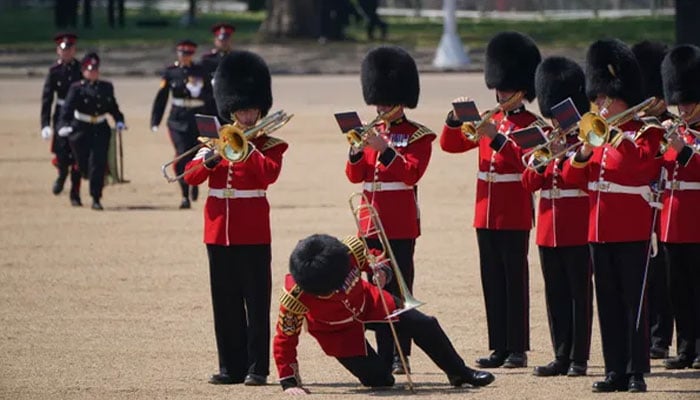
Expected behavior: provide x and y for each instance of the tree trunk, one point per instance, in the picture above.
(292, 19)
(687, 29)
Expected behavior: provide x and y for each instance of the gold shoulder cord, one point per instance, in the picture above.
(290, 300)
(271, 142)
(420, 132)
(356, 248)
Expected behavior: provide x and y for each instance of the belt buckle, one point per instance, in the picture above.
(603, 186)
(675, 185)
(93, 119)
(229, 193)
(490, 177)
(555, 193)
(376, 186)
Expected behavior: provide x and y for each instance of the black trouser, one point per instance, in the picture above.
(90, 145)
(426, 331)
(660, 314)
(369, 7)
(619, 275)
(120, 12)
(684, 268)
(568, 289)
(183, 133)
(65, 162)
(240, 277)
(505, 281)
(403, 250)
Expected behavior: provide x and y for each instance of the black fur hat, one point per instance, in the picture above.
(680, 70)
(649, 56)
(558, 78)
(390, 77)
(511, 60)
(242, 81)
(319, 264)
(612, 70)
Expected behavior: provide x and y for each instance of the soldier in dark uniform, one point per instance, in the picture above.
(649, 56)
(64, 73)
(223, 44)
(84, 121)
(390, 166)
(192, 92)
(325, 288)
(503, 215)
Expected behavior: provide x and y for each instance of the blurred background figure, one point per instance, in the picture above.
(369, 8)
(119, 8)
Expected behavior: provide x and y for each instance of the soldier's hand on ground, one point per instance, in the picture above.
(46, 132)
(65, 131)
(297, 391)
(121, 126)
(154, 128)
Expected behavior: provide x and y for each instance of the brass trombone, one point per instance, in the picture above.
(471, 129)
(357, 138)
(232, 143)
(368, 225)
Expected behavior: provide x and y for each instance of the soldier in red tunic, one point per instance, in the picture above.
(649, 56)
(617, 175)
(325, 288)
(237, 223)
(680, 220)
(562, 225)
(395, 158)
(503, 212)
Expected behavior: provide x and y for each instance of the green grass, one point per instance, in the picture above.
(16, 34)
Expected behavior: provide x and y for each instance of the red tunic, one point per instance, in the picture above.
(680, 219)
(562, 216)
(504, 205)
(245, 220)
(401, 168)
(337, 322)
(617, 176)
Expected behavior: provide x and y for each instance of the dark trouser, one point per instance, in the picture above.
(65, 162)
(90, 144)
(403, 250)
(660, 314)
(120, 12)
(682, 261)
(240, 277)
(569, 292)
(619, 274)
(183, 134)
(426, 331)
(369, 7)
(504, 278)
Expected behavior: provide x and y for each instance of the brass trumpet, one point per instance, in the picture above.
(471, 129)
(232, 143)
(596, 129)
(357, 137)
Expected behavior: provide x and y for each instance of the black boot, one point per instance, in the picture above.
(554, 368)
(57, 187)
(680, 361)
(515, 360)
(96, 204)
(494, 360)
(185, 204)
(637, 384)
(474, 378)
(613, 383)
(397, 367)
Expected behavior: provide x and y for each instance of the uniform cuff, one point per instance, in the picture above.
(498, 142)
(578, 161)
(387, 156)
(451, 121)
(288, 383)
(684, 156)
(355, 157)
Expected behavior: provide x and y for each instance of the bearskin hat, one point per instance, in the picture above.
(242, 81)
(612, 70)
(511, 60)
(680, 70)
(649, 56)
(390, 77)
(556, 79)
(319, 264)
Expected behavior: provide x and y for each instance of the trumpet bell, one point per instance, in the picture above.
(593, 130)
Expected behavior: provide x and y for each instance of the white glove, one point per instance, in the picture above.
(65, 131)
(195, 87)
(46, 132)
(154, 128)
(121, 126)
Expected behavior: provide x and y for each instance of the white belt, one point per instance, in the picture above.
(498, 178)
(236, 193)
(90, 119)
(383, 186)
(187, 103)
(561, 193)
(681, 185)
(610, 187)
(60, 102)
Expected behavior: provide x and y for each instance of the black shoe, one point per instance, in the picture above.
(194, 192)
(185, 204)
(474, 378)
(696, 363)
(680, 361)
(397, 367)
(96, 205)
(223, 379)
(612, 383)
(554, 368)
(75, 201)
(637, 384)
(658, 353)
(515, 360)
(577, 369)
(57, 187)
(254, 379)
(494, 360)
